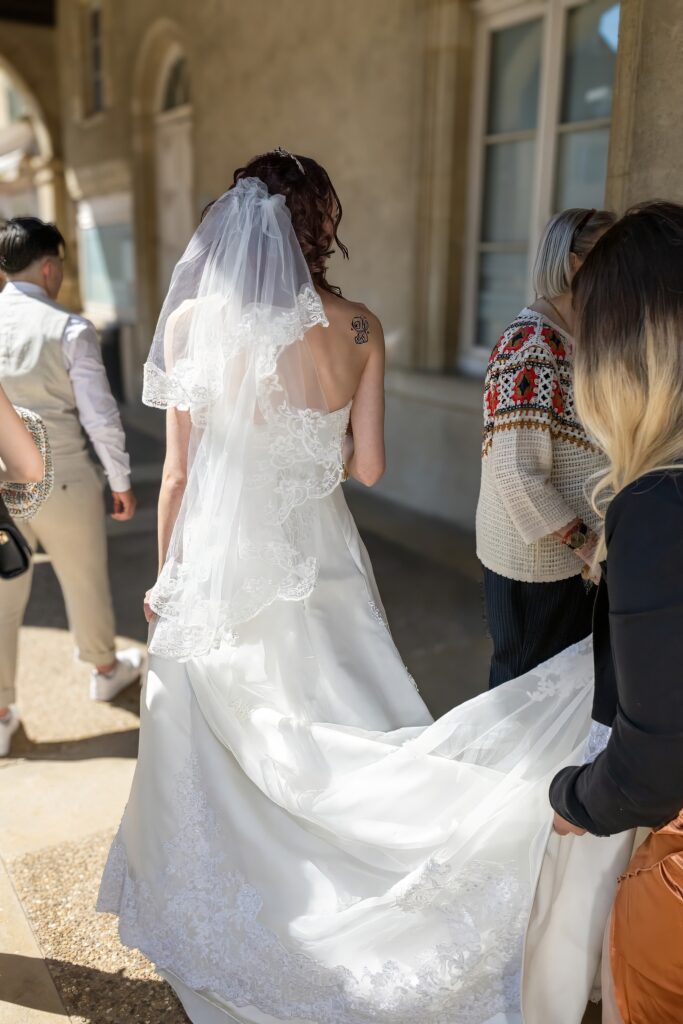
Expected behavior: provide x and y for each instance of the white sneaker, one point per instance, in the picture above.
(128, 670)
(8, 727)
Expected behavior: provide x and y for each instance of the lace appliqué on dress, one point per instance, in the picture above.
(378, 613)
(551, 684)
(201, 921)
(598, 738)
(294, 464)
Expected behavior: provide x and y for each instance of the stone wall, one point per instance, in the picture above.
(646, 146)
(340, 81)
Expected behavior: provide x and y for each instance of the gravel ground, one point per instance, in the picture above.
(97, 978)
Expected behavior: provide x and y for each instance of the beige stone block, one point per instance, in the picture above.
(99, 180)
(27, 992)
(46, 803)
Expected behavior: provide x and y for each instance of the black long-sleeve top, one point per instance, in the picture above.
(638, 635)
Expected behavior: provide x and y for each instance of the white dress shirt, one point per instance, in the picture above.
(97, 410)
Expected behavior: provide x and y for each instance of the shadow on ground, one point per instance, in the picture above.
(130, 999)
(113, 744)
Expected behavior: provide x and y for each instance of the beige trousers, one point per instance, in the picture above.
(71, 528)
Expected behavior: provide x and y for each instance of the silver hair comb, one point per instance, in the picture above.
(285, 152)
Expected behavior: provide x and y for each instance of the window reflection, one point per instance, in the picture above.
(107, 266)
(502, 293)
(582, 169)
(514, 78)
(512, 119)
(591, 53)
(590, 61)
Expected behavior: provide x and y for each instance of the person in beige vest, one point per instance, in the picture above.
(50, 362)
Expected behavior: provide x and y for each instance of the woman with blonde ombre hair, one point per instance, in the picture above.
(629, 392)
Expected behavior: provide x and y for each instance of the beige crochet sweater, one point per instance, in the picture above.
(537, 460)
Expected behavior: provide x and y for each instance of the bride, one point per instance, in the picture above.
(302, 842)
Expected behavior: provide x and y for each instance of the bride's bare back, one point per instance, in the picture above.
(349, 358)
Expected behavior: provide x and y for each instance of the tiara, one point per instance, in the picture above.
(285, 152)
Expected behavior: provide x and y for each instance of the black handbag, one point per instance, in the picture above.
(15, 553)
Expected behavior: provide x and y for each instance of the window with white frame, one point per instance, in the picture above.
(542, 106)
(94, 57)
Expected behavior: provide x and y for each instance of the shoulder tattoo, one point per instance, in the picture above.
(361, 326)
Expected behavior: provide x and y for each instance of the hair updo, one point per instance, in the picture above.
(312, 202)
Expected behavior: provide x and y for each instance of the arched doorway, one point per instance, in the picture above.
(173, 167)
(31, 171)
(27, 180)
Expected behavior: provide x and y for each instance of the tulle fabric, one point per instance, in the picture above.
(230, 350)
(303, 843)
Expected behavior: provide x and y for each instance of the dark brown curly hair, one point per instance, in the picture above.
(312, 202)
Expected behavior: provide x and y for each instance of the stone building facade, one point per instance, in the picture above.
(452, 130)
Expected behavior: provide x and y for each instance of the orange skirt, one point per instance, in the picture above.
(646, 943)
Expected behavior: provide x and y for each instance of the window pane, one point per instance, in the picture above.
(15, 104)
(95, 24)
(177, 88)
(95, 84)
(108, 267)
(502, 293)
(508, 178)
(97, 96)
(592, 33)
(581, 169)
(513, 78)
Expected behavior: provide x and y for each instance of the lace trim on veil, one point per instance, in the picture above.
(189, 384)
(294, 458)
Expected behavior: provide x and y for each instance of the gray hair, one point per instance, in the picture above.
(572, 231)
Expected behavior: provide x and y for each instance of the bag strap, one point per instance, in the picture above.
(5, 517)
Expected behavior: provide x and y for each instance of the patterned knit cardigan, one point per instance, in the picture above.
(537, 460)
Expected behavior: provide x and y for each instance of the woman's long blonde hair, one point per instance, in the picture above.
(628, 297)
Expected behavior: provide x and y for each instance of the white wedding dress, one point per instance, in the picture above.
(302, 842)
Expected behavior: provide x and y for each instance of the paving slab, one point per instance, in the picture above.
(27, 991)
(44, 803)
(99, 980)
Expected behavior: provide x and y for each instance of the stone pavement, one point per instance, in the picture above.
(64, 788)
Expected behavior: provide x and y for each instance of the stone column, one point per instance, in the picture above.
(443, 179)
(55, 205)
(646, 147)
